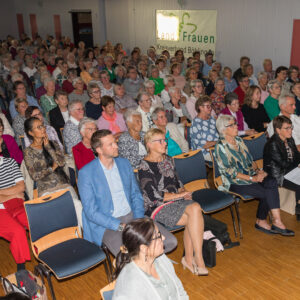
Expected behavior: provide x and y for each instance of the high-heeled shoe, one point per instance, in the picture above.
(201, 271)
(193, 269)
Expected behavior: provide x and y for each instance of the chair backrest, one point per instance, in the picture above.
(256, 144)
(22, 140)
(52, 220)
(216, 172)
(107, 291)
(191, 170)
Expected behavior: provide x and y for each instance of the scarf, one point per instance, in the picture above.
(113, 127)
(239, 117)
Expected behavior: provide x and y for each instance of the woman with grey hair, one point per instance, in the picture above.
(271, 103)
(82, 152)
(107, 88)
(131, 142)
(93, 107)
(262, 78)
(154, 76)
(169, 82)
(241, 175)
(79, 93)
(197, 88)
(47, 100)
(120, 73)
(150, 89)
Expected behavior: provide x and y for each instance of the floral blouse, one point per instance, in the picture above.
(47, 179)
(155, 180)
(231, 162)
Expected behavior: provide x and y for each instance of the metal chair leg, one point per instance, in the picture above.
(47, 273)
(233, 221)
(38, 272)
(238, 218)
(108, 266)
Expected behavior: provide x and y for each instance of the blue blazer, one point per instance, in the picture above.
(97, 201)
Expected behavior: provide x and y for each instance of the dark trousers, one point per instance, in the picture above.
(292, 186)
(266, 192)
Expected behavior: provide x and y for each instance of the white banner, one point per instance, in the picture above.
(189, 30)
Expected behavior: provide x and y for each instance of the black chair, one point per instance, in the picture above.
(191, 170)
(56, 239)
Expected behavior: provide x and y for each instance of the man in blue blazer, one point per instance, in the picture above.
(111, 196)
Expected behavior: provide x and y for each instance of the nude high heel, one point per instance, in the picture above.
(193, 269)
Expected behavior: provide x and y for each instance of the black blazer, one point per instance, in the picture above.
(57, 120)
(276, 162)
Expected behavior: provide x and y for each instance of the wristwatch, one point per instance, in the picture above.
(251, 178)
(121, 227)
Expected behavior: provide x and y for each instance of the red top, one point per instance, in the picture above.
(67, 86)
(241, 95)
(82, 155)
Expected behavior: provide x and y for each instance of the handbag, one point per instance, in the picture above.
(209, 252)
(25, 283)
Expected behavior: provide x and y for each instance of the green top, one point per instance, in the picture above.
(111, 74)
(231, 162)
(272, 107)
(159, 84)
(47, 103)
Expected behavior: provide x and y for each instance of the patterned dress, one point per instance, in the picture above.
(156, 179)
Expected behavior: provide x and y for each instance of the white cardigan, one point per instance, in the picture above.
(132, 283)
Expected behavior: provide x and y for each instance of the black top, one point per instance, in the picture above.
(255, 117)
(57, 120)
(93, 111)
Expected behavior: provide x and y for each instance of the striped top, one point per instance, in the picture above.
(10, 173)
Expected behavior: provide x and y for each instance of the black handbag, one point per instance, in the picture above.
(209, 252)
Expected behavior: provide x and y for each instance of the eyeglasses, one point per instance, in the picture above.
(161, 141)
(231, 125)
(158, 236)
(96, 92)
(288, 128)
(91, 129)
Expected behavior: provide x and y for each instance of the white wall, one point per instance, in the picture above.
(256, 28)
(8, 19)
(45, 9)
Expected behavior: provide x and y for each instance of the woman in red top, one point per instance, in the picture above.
(82, 152)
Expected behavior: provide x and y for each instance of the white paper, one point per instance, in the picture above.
(293, 176)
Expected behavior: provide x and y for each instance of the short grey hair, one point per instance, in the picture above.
(283, 98)
(261, 74)
(172, 90)
(217, 80)
(130, 112)
(47, 80)
(107, 57)
(222, 122)
(17, 77)
(195, 81)
(149, 83)
(83, 122)
(156, 111)
(72, 103)
(75, 80)
(117, 69)
(168, 78)
(271, 84)
(140, 95)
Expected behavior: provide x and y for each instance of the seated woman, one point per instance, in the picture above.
(154, 76)
(176, 73)
(79, 93)
(281, 156)
(133, 83)
(93, 108)
(33, 111)
(218, 96)
(167, 202)
(253, 111)
(230, 83)
(18, 122)
(131, 142)
(210, 83)
(110, 119)
(47, 100)
(190, 75)
(7, 127)
(150, 88)
(176, 110)
(45, 160)
(262, 78)
(143, 271)
(169, 82)
(107, 88)
(82, 152)
(248, 70)
(176, 143)
(203, 131)
(9, 147)
(197, 88)
(233, 109)
(241, 175)
(13, 219)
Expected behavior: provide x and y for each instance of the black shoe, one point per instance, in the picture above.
(264, 230)
(284, 232)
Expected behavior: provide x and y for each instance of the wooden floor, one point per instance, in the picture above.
(262, 267)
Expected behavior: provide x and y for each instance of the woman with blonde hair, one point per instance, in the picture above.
(253, 111)
(167, 201)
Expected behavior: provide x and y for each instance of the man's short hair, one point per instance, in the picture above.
(97, 136)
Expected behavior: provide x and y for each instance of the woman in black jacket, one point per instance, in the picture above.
(281, 156)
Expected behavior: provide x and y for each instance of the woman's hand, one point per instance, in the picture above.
(187, 195)
(259, 177)
(46, 140)
(54, 166)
